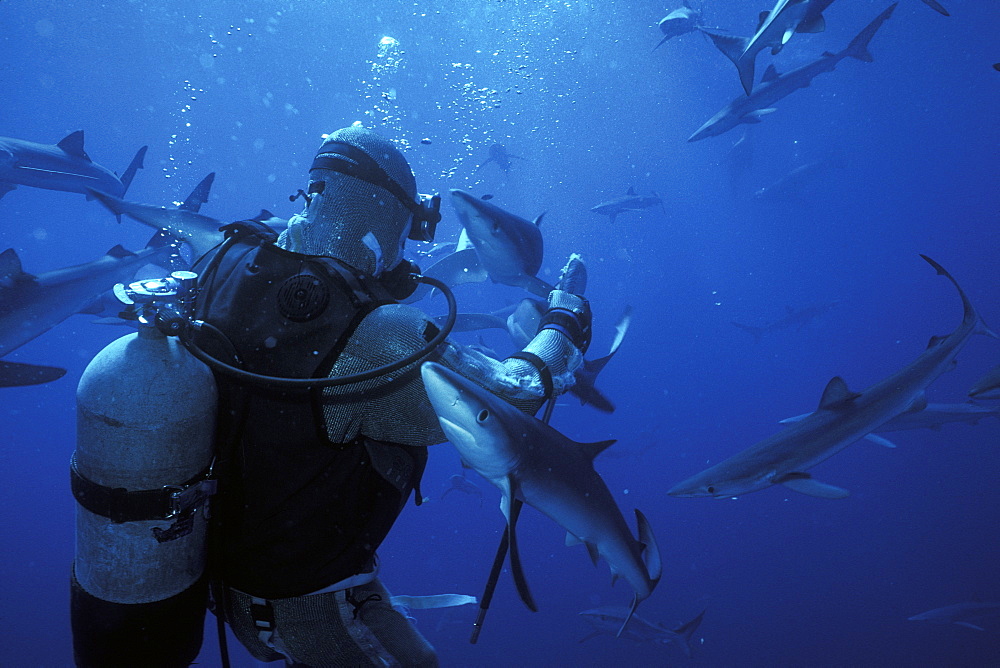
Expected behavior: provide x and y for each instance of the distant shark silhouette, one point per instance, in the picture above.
(608, 619)
(628, 202)
(499, 157)
(798, 318)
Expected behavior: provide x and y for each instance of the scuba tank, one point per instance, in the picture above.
(141, 475)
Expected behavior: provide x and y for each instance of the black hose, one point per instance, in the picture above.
(302, 383)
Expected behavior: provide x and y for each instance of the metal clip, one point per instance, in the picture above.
(187, 498)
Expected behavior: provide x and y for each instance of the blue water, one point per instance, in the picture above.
(246, 90)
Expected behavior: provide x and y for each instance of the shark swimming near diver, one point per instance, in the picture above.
(530, 461)
(608, 619)
(62, 166)
(774, 30)
(843, 417)
(509, 248)
(31, 305)
(752, 107)
(628, 202)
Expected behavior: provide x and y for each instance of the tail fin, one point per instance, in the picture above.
(685, 631)
(133, 167)
(731, 46)
(858, 48)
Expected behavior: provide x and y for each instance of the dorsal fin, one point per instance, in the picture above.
(770, 74)
(538, 219)
(631, 191)
(10, 264)
(761, 18)
(120, 251)
(836, 394)
(936, 340)
(199, 195)
(594, 449)
(73, 145)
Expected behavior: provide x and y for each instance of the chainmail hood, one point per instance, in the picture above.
(350, 219)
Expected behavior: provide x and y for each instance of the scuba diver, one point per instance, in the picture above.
(322, 423)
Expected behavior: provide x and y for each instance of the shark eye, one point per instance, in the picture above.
(483, 416)
(710, 489)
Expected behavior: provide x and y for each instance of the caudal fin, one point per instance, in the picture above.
(133, 167)
(858, 48)
(685, 631)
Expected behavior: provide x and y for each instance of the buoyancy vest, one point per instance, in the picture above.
(295, 512)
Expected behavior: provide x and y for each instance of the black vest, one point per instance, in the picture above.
(295, 511)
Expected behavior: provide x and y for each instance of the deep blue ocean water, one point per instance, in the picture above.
(574, 88)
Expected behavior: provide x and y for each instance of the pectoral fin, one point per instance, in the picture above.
(803, 483)
(880, 440)
(970, 626)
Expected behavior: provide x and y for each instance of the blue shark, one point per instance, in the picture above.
(757, 103)
(987, 387)
(962, 614)
(794, 317)
(608, 619)
(530, 461)
(63, 166)
(678, 22)
(500, 157)
(31, 305)
(509, 248)
(774, 30)
(842, 418)
(628, 202)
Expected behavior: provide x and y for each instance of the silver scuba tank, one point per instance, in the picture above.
(141, 475)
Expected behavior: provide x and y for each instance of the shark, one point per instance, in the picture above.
(584, 388)
(628, 202)
(608, 619)
(987, 387)
(962, 614)
(758, 102)
(200, 232)
(534, 463)
(936, 6)
(842, 418)
(62, 166)
(802, 181)
(499, 157)
(678, 22)
(794, 317)
(30, 305)
(183, 222)
(932, 416)
(774, 29)
(509, 248)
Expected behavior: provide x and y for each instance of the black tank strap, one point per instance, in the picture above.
(121, 505)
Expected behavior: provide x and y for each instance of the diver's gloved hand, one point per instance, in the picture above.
(570, 315)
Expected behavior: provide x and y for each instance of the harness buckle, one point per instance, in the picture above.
(187, 498)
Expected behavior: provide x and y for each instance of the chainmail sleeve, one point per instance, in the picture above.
(395, 407)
